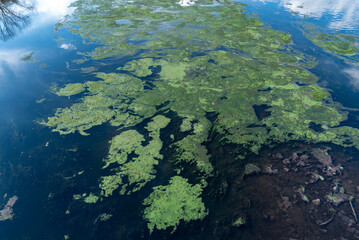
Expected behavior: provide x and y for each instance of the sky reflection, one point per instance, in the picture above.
(49, 11)
(32, 38)
(353, 74)
(343, 14)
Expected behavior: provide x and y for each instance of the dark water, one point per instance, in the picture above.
(40, 167)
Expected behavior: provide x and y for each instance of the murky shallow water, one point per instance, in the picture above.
(46, 170)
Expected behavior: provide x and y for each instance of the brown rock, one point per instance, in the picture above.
(316, 202)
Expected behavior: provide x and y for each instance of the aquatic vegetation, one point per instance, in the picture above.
(191, 63)
(250, 169)
(168, 205)
(139, 67)
(71, 89)
(137, 170)
(27, 57)
(103, 217)
(104, 102)
(91, 198)
(190, 148)
(240, 221)
(336, 43)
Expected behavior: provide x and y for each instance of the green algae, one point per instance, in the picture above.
(190, 62)
(103, 217)
(335, 43)
(168, 205)
(91, 198)
(190, 148)
(71, 89)
(140, 67)
(27, 57)
(133, 173)
(104, 102)
(240, 221)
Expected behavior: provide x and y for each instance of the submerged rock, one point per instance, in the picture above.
(316, 202)
(7, 212)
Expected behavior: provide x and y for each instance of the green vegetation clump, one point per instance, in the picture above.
(342, 44)
(240, 221)
(139, 67)
(27, 57)
(71, 89)
(168, 205)
(91, 198)
(250, 169)
(133, 173)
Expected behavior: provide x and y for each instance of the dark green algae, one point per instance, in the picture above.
(210, 58)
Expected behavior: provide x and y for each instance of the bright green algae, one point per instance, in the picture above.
(168, 205)
(138, 170)
(71, 89)
(190, 61)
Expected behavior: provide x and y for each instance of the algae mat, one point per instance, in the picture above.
(205, 63)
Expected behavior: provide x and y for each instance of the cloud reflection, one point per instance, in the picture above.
(345, 13)
(353, 73)
(10, 59)
(68, 46)
(55, 9)
(49, 12)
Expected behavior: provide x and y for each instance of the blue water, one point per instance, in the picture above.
(32, 171)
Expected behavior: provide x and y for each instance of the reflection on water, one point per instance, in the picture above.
(353, 73)
(14, 16)
(343, 13)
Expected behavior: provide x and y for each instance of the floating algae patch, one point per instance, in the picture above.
(189, 62)
(190, 148)
(335, 43)
(105, 101)
(27, 57)
(139, 67)
(137, 170)
(91, 198)
(168, 205)
(71, 89)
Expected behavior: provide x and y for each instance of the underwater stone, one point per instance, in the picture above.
(7, 212)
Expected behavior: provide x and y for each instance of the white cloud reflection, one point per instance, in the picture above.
(186, 3)
(353, 73)
(54, 8)
(49, 11)
(345, 13)
(10, 59)
(68, 46)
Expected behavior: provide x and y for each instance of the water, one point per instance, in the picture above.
(45, 170)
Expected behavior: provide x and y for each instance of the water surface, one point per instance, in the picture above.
(229, 104)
